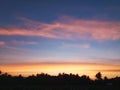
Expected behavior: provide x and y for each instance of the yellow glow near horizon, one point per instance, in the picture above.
(54, 69)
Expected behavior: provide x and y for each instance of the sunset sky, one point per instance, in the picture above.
(52, 36)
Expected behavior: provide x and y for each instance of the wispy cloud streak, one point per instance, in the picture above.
(23, 42)
(2, 43)
(68, 28)
(70, 45)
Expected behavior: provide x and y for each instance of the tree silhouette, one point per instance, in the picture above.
(0, 72)
(105, 78)
(98, 76)
(62, 80)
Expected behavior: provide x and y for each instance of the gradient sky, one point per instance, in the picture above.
(57, 33)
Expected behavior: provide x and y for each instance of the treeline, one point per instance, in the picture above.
(60, 79)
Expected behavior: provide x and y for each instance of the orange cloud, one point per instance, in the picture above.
(68, 28)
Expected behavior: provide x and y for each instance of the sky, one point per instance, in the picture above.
(52, 36)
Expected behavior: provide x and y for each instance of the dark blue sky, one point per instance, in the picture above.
(53, 36)
(60, 29)
(49, 10)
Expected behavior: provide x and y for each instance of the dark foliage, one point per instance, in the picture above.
(61, 82)
(99, 76)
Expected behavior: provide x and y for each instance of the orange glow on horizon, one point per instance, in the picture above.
(54, 69)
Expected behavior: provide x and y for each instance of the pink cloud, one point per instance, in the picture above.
(23, 42)
(2, 43)
(7, 44)
(71, 45)
(68, 28)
